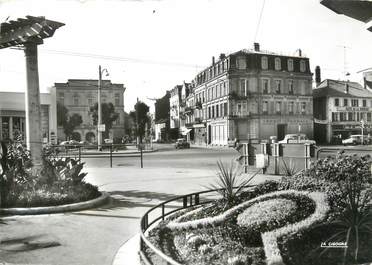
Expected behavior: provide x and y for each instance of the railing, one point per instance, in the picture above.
(187, 200)
(335, 150)
(93, 151)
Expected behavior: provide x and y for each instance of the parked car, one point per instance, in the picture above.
(108, 141)
(182, 143)
(296, 138)
(357, 139)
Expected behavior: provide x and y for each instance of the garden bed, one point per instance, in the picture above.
(293, 221)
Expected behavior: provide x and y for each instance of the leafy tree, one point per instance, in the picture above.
(62, 114)
(108, 116)
(73, 121)
(143, 117)
(69, 123)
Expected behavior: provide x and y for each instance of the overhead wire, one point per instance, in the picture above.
(259, 21)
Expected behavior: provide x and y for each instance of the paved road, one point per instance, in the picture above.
(168, 156)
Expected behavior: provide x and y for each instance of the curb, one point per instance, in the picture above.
(57, 209)
(128, 252)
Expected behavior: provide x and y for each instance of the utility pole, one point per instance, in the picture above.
(99, 108)
(100, 127)
(137, 123)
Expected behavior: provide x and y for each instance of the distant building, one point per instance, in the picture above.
(358, 9)
(79, 95)
(13, 116)
(174, 113)
(339, 107)
(250, 94)
(162, 118)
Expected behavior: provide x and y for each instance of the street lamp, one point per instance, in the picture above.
(100, 127)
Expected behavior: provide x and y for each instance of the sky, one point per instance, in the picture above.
(150, 46)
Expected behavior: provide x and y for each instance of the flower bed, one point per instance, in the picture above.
(286, 222)
(58, 181)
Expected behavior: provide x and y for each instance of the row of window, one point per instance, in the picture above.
(76, 99)
(277, 108)
(353, 102)
(241, 64)
(351, 116)
(212, 72)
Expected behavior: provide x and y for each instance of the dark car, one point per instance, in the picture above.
(182, 143)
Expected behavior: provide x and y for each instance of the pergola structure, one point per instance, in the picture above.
(28, 33)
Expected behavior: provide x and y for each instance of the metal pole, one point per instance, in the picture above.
(137, 124)
(141, 156)
(110, 155)
(99, 108)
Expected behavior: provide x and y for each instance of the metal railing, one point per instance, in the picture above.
(335, 150)
(98, 151)
(188, 200)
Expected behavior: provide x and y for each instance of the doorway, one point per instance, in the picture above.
(282, 130)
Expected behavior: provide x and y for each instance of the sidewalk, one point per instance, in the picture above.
(94, 236)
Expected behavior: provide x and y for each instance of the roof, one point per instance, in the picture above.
(30, 29)
(336, 88)
(16, 100)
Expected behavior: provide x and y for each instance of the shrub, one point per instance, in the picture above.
(290, 169)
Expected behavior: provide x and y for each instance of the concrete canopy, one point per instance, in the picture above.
(358, 9)
(31, 29)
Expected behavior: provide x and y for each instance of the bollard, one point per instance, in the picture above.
(307, 155)
(264, 151)
(276, 157)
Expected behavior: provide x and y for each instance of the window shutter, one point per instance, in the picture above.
(272, 107)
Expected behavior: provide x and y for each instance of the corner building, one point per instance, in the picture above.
(252, 94)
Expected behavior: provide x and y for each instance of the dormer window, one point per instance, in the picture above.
(290, 65)
(264, 63)
(302, 66)
(278, 64)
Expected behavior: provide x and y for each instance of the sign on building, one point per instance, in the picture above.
(101, 127)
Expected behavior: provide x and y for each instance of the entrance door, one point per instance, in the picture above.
(282, 130)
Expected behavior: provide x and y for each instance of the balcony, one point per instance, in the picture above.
(239, 115)
(189, 110)
(235, 96)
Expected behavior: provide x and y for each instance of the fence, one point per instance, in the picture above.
(108, 151)
(185, 201)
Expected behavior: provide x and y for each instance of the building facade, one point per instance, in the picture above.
(339, 108)
(79, 95)
(251, 94)
(13, 116)
(162, 118)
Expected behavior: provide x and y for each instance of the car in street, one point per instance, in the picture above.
(296, 138)
(357, 139)
(182, 143)
(108, 141)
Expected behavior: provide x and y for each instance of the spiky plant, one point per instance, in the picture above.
(228, 183)
(290, 169)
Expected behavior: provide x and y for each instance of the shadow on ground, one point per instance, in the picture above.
(29, 243)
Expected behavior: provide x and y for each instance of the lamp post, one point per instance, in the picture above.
(99, 123)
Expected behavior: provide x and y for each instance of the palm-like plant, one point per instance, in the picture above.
(355, 220)
(228, 184)
(290, 169)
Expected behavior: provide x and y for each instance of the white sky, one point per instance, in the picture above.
(176, 41)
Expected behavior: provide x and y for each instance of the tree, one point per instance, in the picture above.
(69, 123)
(74, 121)
(62, 114)
(143, 118)
(108, 116)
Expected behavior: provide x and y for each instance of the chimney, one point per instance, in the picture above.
(213, 62)
(222, 56)
(318, 78)
(256, 46)
(299, 52)
(346, 88)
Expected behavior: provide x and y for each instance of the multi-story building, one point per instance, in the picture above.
(13, 116)
(79, 95)
(161, 121)
(339, 108)
(252, 94)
